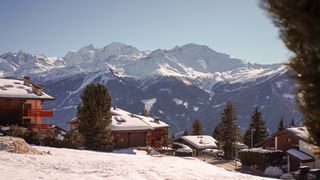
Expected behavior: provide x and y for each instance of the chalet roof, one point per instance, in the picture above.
(14, 88)
(300, 155)
(300, 132)
(201, 141)
(123, 120)
(153, 122)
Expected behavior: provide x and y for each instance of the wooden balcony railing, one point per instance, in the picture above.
(38, 112)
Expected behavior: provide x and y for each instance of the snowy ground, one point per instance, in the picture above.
(131, 164)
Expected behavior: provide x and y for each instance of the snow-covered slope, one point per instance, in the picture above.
(194, 64)
(80, 164)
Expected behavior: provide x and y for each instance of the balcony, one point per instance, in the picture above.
(38, 113)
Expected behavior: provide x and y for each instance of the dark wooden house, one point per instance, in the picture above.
(295, 143)
(132, 130)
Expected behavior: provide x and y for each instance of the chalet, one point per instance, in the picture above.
(132, 130)
(293, 141)
(198, 143)
(21, 104)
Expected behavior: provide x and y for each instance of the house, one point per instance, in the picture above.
(21, 104)
(293, 141)
(132, 130)
(198, 143)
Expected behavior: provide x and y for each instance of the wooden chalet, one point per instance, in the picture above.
(199, 143)
(132, 130)
(293, 141)
(21, 104)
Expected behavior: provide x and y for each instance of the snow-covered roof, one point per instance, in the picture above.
(201, 141)
(300, 155)
(153, 122)
(14, 88)
(123, 120)
(302, 132)
(260, 150)
(184, 148)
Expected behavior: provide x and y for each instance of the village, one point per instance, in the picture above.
(286, 153)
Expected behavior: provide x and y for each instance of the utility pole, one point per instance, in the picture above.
(252, 129)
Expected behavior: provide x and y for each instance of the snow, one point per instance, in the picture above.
(259, 150)
(302, 132)
(180, 102)
(152, 122)
(195, 108)
(273, 171)
(299, 154)
(123, 120)
(13, 88)
(289, 96)
(184, 148)
(81, 164)
(201, 141)
(149, 103)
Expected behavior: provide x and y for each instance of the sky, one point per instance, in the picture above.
(238, 28)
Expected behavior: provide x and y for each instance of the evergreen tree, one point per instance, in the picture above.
(145, 112)
(229, 130)
(281, 125)
(299, 26)
(218, 132)
(197, 127)
(293, 124)
(94, 117)
(257, 130)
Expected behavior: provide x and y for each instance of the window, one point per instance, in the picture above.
(288, 140)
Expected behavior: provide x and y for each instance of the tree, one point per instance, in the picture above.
(281, 125)
(197, 127)
(94, 117)
(145, 112)
(218, 133)
(229, 130)
(293, 124)
(257, 130)
(299, 26)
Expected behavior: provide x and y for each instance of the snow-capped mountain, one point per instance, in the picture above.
(180, 84)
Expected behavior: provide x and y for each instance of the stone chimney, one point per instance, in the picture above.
(26, 80)
(156, 119)
(37, 89)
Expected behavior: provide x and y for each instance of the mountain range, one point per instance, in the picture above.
(178, 85)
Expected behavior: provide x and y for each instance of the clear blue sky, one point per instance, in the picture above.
(236, 27)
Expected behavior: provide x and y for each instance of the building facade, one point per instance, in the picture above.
(21, 104)
(295, 143)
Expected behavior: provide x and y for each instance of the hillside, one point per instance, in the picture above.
(130, 164)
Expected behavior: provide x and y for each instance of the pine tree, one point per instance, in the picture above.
(281, 125)
(197, 127)
(229, 129)
(145, 112)
(94, 117)
(218, 134)
(293, 124)
(299, 26)
(257, 130)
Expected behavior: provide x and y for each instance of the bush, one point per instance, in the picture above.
(260, 159)
(17, 131)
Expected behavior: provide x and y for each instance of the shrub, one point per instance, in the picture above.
(260, 158)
